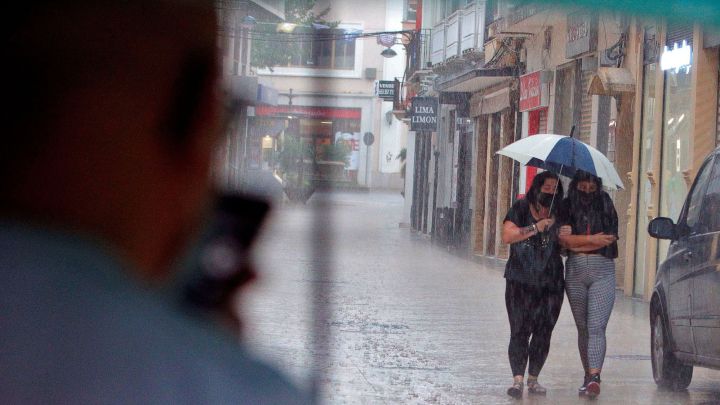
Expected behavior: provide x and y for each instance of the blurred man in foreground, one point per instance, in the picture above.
(112, 113)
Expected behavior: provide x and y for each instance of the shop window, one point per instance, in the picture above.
(331, 51)
(677, 134)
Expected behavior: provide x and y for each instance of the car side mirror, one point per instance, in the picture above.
(662, 228)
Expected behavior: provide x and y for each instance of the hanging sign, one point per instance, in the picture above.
(582, 29)
(534, 91)
(386, 89)
(423, 114)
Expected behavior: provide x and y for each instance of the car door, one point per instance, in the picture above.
(706, 274)
(678, 266)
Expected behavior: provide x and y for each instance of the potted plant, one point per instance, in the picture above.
(293, 160)
(334, 159)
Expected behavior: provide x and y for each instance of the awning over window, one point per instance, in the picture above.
(477, 79)
(609, 81)
(490, 103)
(308, 112)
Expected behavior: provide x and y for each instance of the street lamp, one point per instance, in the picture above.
(389, 39)
(388, 53)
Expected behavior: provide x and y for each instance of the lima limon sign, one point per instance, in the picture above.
(423, 114)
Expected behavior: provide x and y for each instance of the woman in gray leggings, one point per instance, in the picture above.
(589, 233)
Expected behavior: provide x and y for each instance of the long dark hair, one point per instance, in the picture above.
(536, 186)
(573, 191)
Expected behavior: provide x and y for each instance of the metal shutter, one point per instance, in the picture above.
(677, 32)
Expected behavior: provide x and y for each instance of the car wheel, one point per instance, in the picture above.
(668, 371)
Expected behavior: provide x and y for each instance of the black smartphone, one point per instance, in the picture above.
(223, 259)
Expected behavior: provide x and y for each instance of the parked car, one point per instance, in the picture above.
(685, 305)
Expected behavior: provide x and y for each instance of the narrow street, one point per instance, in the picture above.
(414, 324)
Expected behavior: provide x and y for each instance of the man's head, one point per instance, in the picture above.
(112, 121)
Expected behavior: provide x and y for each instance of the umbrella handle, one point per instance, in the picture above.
(572, 153)
(552, 202)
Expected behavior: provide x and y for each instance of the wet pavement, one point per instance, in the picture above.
(415, 324)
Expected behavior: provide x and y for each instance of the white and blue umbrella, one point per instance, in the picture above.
(563, 155)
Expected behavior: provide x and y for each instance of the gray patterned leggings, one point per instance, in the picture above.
(590, 286)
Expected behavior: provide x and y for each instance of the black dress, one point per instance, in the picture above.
(533, 293)
(535, 261)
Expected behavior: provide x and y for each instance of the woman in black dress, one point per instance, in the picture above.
(534, 280)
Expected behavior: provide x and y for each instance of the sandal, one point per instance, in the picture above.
(516, 390)
(534, 387)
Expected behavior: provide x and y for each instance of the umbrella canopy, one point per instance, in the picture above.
(563, 155)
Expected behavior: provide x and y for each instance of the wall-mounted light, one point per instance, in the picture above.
(286, 27)
(248, 22)
(388, 53)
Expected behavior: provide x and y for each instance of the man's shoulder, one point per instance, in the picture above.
(87, 332)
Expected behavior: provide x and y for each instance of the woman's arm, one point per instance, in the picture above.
(512, 233)
(585, 243)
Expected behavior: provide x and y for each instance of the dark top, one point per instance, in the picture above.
(599, 216)
(536, 260)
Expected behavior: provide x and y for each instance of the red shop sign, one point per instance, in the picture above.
(308, 112)
(530, 91)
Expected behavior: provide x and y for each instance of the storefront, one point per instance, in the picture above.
(666, 131)
(678, 128)
(494, 112)
(676, 158)
(320, 127)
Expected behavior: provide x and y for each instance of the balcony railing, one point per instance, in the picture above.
(437, 43)
(460, 33)
(418, 52)
(472, 29)
(452, 36)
